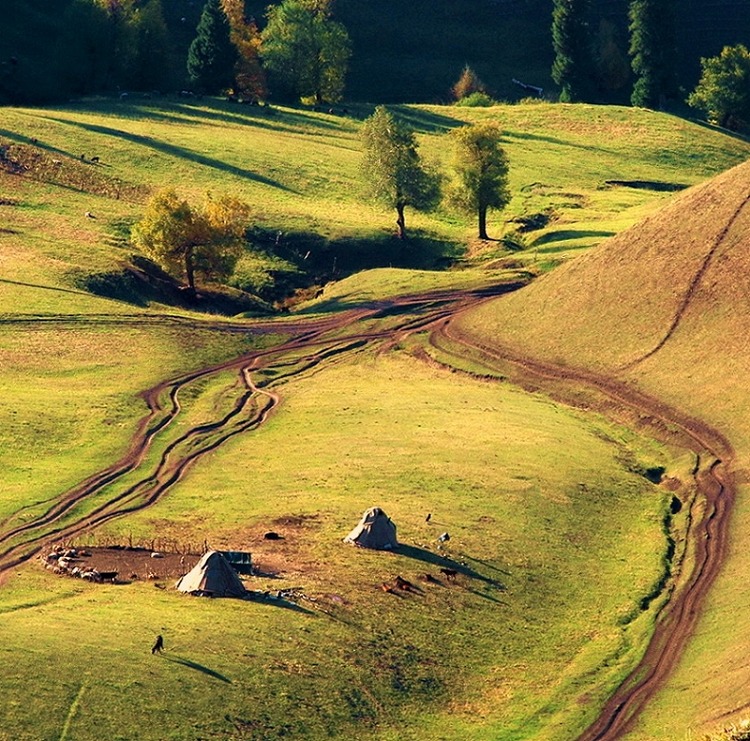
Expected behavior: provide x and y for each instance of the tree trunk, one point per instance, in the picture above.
(190, 270)
(483, 222)
(400, 221)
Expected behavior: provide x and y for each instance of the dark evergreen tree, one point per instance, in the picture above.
(212, 56)
(652, 51)
(573, 68)
(150, 68)
(84, 47)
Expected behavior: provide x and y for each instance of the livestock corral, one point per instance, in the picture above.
(117, 564)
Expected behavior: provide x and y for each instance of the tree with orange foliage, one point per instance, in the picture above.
(250, 80)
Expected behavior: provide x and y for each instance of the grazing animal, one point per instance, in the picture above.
(272, 536)
(428, 578)
(95, 158)
(444, 538)
(158, 647)
(450, 573)
(89, 215)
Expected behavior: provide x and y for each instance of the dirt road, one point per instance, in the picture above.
(135, 481)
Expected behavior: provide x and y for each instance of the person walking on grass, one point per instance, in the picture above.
(158, 647)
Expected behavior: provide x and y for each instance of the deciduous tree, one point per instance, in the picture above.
(723, 92)
(249, 78)
(187, 240)
(467, 84)
(652, 51)
(212, 55)
(481, 168)
(573, 67)
(306, 49)
(392, 169)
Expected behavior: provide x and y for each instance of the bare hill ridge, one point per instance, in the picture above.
(618, 303)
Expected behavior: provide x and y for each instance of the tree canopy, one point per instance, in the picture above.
(186, 240)
(306, 50)
(723, 92)
(481, 168)
(652, 51)
(392, 170)
(212, 55)
(572, 69)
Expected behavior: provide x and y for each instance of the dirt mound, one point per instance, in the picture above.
(613, 306)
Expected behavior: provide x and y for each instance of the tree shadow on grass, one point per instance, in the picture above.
(196, 666)
(267, 598)
(175, 151)
(562, 235)
(170, 110)
(426, 122)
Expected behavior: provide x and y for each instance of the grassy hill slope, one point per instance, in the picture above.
(664, 306)
(298, 170)
(561, 534)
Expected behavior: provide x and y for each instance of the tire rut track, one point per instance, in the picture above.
(59, 520)
(708, 538)
(692, 288)
(309, 348)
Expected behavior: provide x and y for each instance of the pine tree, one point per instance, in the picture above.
(212, 56)
(150, 69)
(467, 84)
(573, 67)
(652, 51)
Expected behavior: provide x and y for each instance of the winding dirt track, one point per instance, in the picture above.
(708, 533)
(136, 481)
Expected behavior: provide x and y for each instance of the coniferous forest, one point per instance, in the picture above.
(399, 51)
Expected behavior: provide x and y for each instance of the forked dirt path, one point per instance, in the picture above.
(708, 535)
(135, 482)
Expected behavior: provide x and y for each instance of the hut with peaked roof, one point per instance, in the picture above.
(212, 576)
(375, 530)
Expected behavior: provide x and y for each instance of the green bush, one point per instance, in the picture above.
(477, 100)
(514, 241)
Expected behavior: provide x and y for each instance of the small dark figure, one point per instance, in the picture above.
(429, 517)
(158, 647)
(272, 536)
(404, 584)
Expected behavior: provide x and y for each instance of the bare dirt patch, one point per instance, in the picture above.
(128, 563)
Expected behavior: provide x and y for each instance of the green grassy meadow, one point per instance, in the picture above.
(527, 490)
(298, 170)
(560, 535)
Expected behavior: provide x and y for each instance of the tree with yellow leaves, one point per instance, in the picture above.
(187, 240)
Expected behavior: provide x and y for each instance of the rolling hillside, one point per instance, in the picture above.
(137, 421)
(664, 307)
